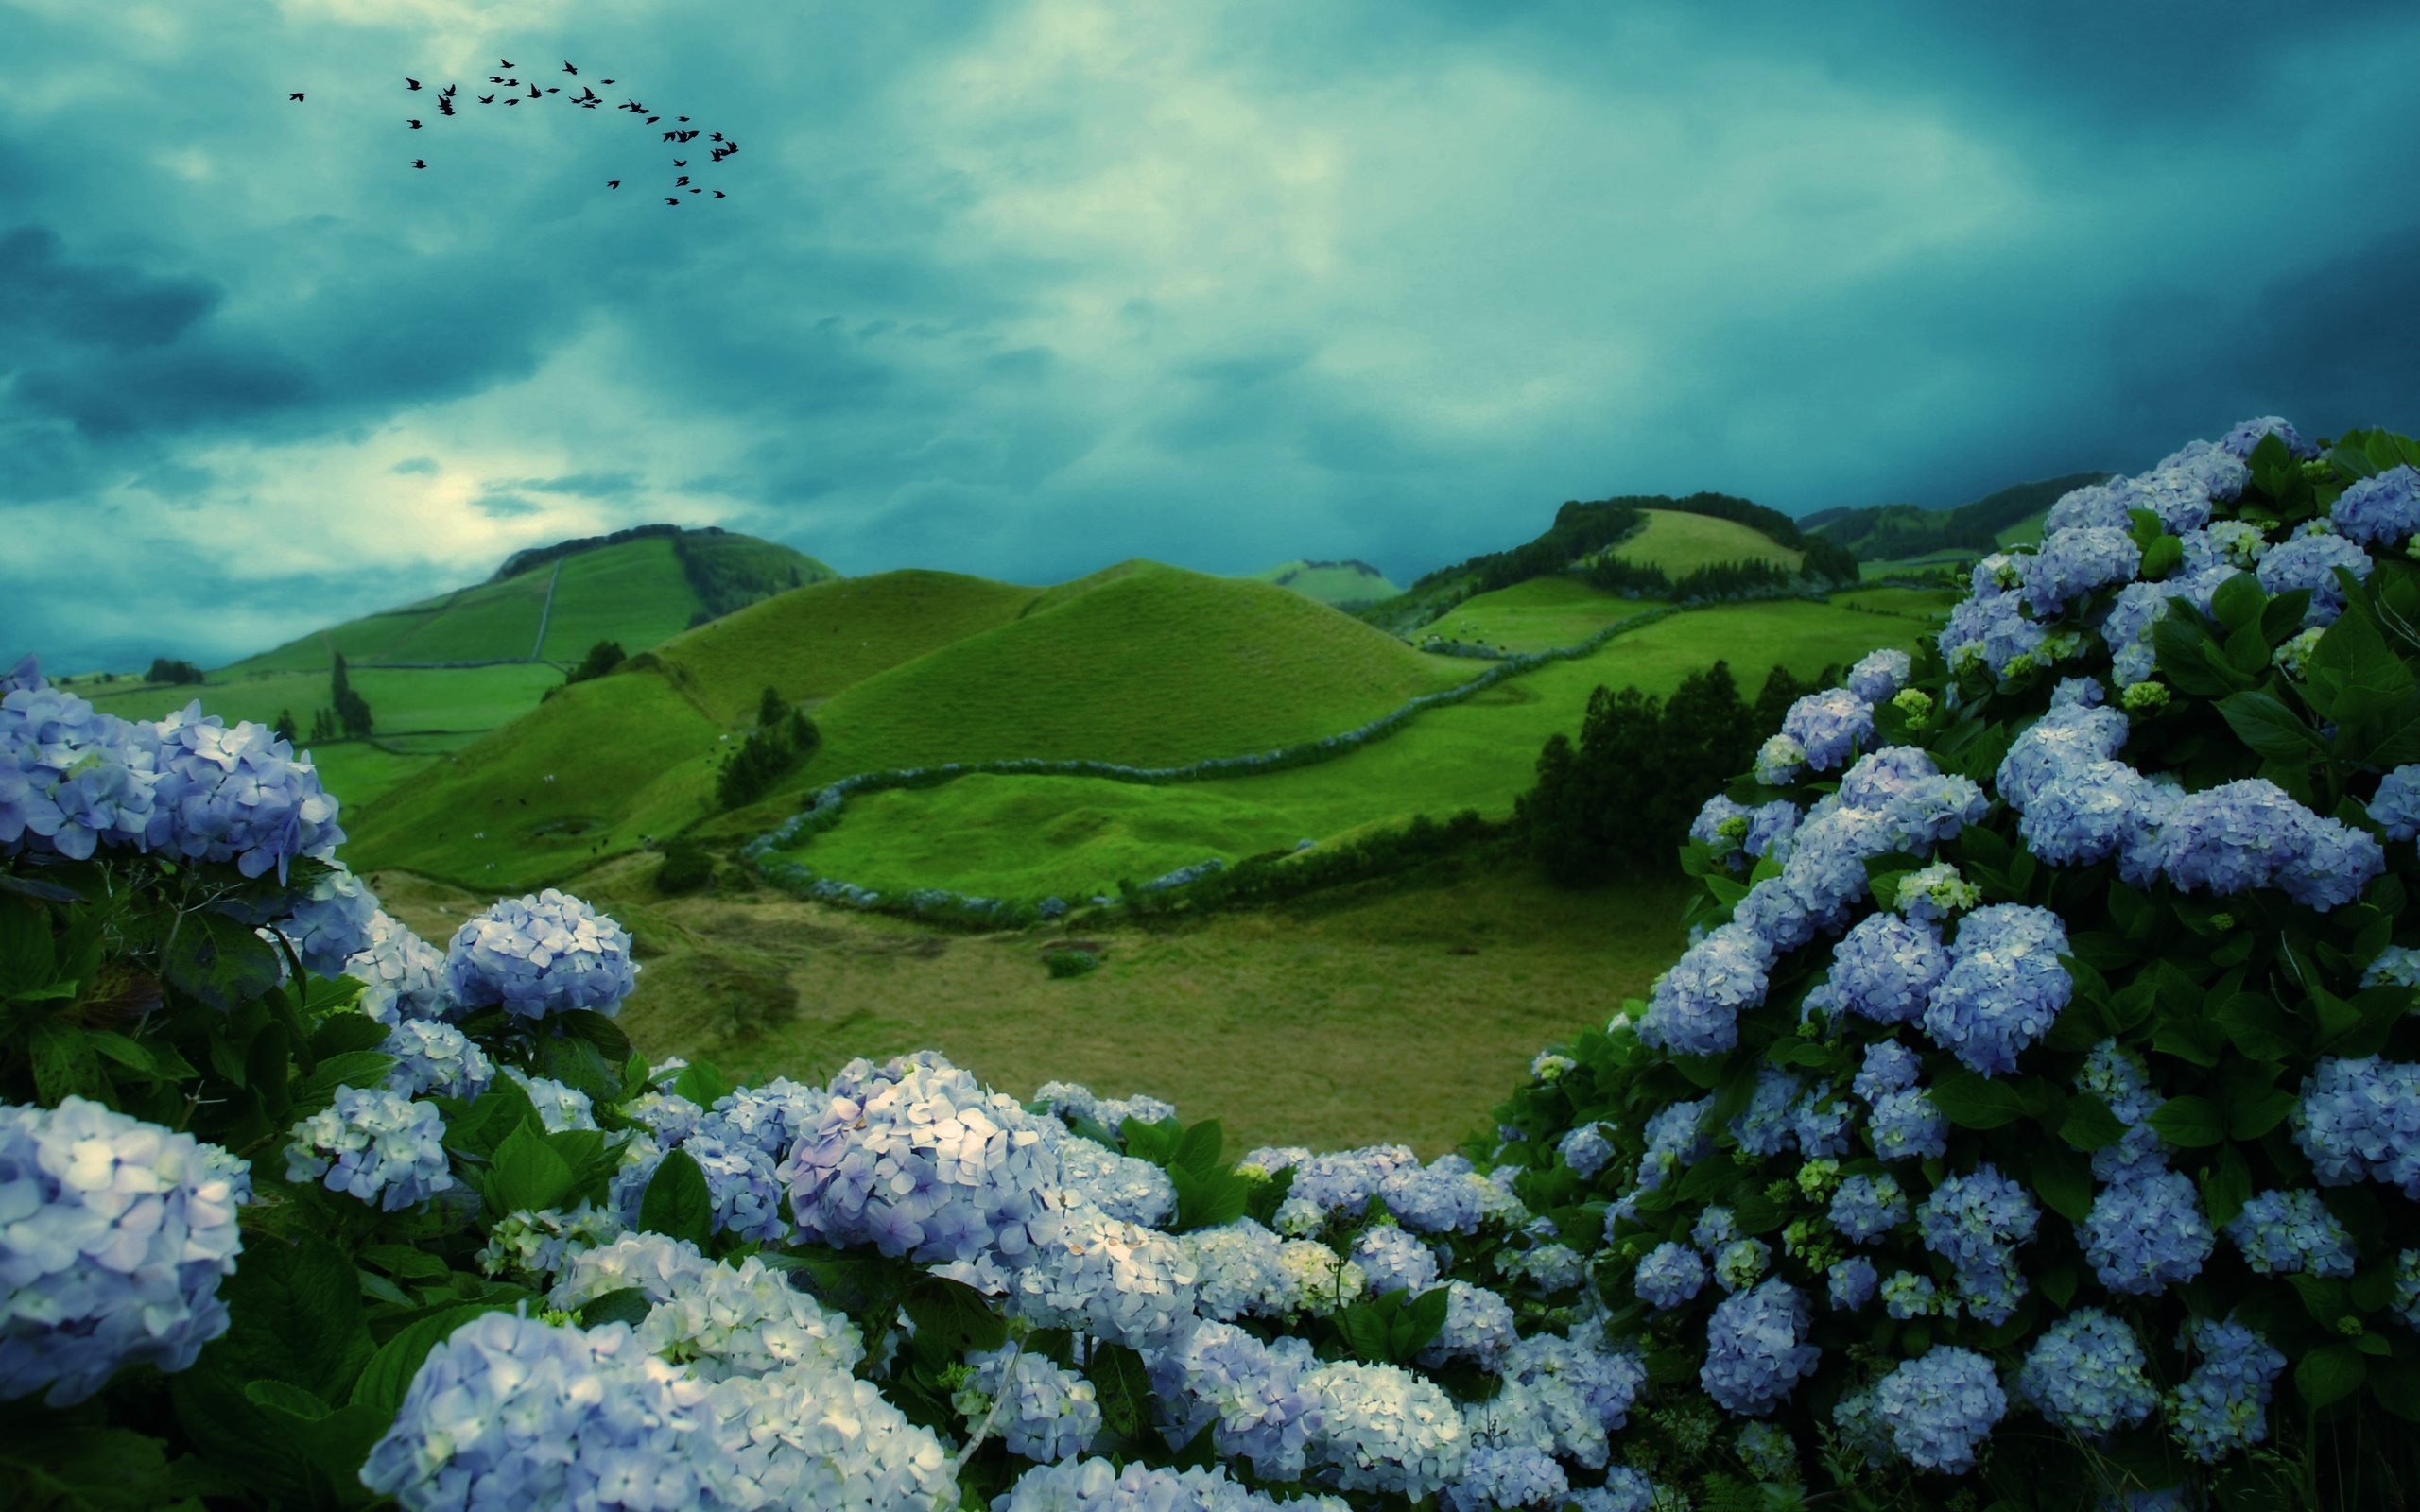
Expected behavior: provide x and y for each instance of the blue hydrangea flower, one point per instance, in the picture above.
(1507, 1476)
(2084, 813)
(2220, 473)
(559, 1106)
(1820, 1123)
(1910, 1294)
(2360, 1119)
(1394, 1261)
(2085, 1374)
(1447, 1196)
(2250, 834)
(2177, 495)
(1770, 827)
(2382, 511)
(2004, 987)
(1098, 1486)
(1696, 1005)
(114, 1236)
(1717, 812)
(2223, 1406)
(236, 794)
(1625, 1490)
(1677, 1139)
(2115, 1075)
(1754, 1354)
(2283, 1233)
(1742, 1262)
(1879, 675)
(403, 976)
(1889, 1067)
(2128, 627)
(1829, 727)
(1251, 1395)
(2396, 807)
(2095, 507)
(1669, 1275)
(1714, 1228)
(1977, 1222)
(1867, 1207)
(1779, 761)
(376, 1145)
(2083, 691)
(1479, 1326)
(1886, 968)
(436, 1059)
(1905, 1126)
(1040, 1409)
(1852, 1283)
(1822, 881)
(2246, 435)
(2146, 1233)
(747, 1198)
(71, 778)
(1941, 1407)
(1935, 894)
(2069, 736)
(330, 924)
(1586, 1150)
(2074, 561)
(2396, 966)
(1881, 778)
(771, 1117)
(2311, 561)
(2407, 1289)
(546, 953)
(1765, 1128)
(1343, 1180)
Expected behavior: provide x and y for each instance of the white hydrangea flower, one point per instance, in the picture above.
(1323, 1283)
(1384, 1428)
(1038, 1409)
(560, 1108)
(654, 1264)
(1116, 1281)
(1125, 1187)
(529, 1248)
(1240, 1269)
(748, 1320)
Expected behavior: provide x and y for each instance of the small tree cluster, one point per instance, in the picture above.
(164, 669)
(352, 711)
(783, 737)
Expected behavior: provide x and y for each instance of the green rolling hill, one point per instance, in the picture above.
(1681, 543)
(1345, 584)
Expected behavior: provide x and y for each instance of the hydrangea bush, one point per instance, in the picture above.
(2060, 1056)
(2033, 1123)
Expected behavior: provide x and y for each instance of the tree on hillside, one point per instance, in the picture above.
(783, 737)
(351, 710)
(163, 669)
(285, 726)
(1620, 800)
(602, 657)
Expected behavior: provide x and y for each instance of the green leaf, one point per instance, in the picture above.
(294, 1315)
(702, 1084)
(2161, 557)
(2258, 1027)
(343, 1033)
(2089, 1125)
(629, 1304)
(27, 958)
(1208, 1201)
(1154, 1141)
(529, 1175)
(1198, 1150)
(220, 962)
(678, 1203)
(953, 1314)
(2257, 1114)
(63, 1062)
(2282, 619)
(1425, 1319)
(598, 1030)
(2270, 728)
(2191, 1123)
(291, 1400)
(1122, 1387)
(70, 1467)
(2226, 1186)
(1976, 1102)
(2238, 602)
(350, 1068)
(2063, 1179)
(2059, 1284)
(2330, 1374)
(2396, 1384)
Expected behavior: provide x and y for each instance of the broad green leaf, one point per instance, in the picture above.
(702, 1084)
(677, 1203)
(628, 1305)
(598, 1030)
(294, 1315)
(220, 961)
(1976, 1102)
(64, 1064)
(350, 1068)
(2270, 728)
(2282, 619)
(529, 1175)
(2250, 1118)
(342, 1033)
(2191, 1123)
(2238, 601)
(2161, 557)
(291, 1400)
(955, 1315)
(1208, 1201)
(1122, 1387)
(2089, 1125)
(73, 1466)
(27, 958)
(1154, 1141)
(1198, 1150)
(2396, 1384)
(2226, 1186)
(2330, 1374)
(2062, 1178)
(2258, 1027)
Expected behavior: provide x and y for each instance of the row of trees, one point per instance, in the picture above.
(1722, 579)
(1620, 800)
(783, 737)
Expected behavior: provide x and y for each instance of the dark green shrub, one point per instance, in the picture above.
(1067, 963)
(686, 867)
(602, 657)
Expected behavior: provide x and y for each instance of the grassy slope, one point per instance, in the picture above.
(2026, 532)
(633, 593)
(1330, 585)
(1533, 616)
(1682, 543)
(1386, 1034)
(1026, 837)
(1152, 665)
(812, 642)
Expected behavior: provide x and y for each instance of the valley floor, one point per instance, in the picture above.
(1399, 1013)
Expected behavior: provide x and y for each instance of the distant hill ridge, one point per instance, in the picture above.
(1344, 583)
(1889, 532)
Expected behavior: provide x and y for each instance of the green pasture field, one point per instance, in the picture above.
(1682, 543)
(813, 642)
(1329, 585)
(1385, 1013)
(633, 593)
(1536, 615)
(1031, 836)
(1152, 666)
(2026, 532)
(488, 622)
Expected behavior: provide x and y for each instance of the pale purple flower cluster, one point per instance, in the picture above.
(1343, 1181)
(2114, 1075)
(1696, 1005)
(403, 976)
(2074, 561)
(436, 1059)
(2085, 1374)
(71, 779)
(2221, 472)
(1586, 1150)
(2287, 1232)
(1940, 1408)
(1669, 1275)
(771, 1117)
(376, 1145)
(1676, 1139)
(2246, 435)
(330, 925)
(1990, 631)
(1829, 727)
(1394, 1261)
(1868, 1207)
(2095, 507)
(2396, 807)
(2126, 630)
(2084, 813)
(2382, 511)
(2223, 1406)
(1977, 1222)
(1765, 1126)
(114, 1236)
(1251, 1395)
(235, 793)
(2249, 833)
(2177, 495)
(1755, 1351)
(546, 953)
(740, 1179)
(2004, 987)
(2147, 1233)
(1851, 1282)
(2067, 737)
(1904, 1124)
(2360, 1119)
(2311, 561)
(1886, 968)
(1821, 1123)
(1879, 674)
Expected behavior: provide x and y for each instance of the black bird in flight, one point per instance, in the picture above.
(652, 119)
(487, 100)
(609, 81)
(445, 106)
(612, 183)
(568, 69)
(415, 126)
(504, 62)
(684, 117)
(413, 82)
(715, 137)
(679, 163)
(447, 93)
(420, 163)
(673, 199)
(680, 181)
(719, 195)
(495, 79)
(534, 92)
(295, 97)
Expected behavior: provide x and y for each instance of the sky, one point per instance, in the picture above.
(1025, 287)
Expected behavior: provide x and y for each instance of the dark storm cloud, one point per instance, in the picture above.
(1025, 287)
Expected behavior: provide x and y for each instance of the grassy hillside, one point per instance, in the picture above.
(1154, 665)
(635, 592)
(1338, 583)
(1028, 836)
(1535, 615)
(811, 644)
(1901, 533)
(1682, 543)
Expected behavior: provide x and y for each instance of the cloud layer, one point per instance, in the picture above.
(1021, 288)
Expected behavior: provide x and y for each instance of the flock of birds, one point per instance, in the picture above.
(510, 89)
